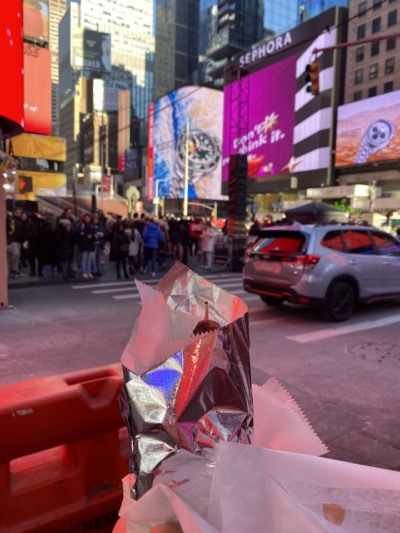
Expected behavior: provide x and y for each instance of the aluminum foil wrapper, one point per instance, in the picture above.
(201, 393)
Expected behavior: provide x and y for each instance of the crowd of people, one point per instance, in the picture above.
(80, 246)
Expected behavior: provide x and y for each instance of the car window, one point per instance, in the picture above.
(334, 241)
(386, 244)
(281, 242)
(358, 242)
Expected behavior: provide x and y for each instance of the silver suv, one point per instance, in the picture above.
(337, 266)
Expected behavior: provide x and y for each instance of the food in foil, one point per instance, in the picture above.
(185, 392)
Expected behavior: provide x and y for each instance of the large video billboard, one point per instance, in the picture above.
(36, 19)
(12, 83)
(91, 50)
(369, 130)
(204, 109)
(268, 140)
(37, 89)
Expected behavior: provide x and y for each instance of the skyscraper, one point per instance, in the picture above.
(311, 8)
(279, 17)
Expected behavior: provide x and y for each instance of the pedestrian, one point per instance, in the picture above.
(121, 243)
(15, 238)
(185, 241)
(65, 242)
(398, 233)
(135, 241)
(255, 228)
(175, 239)
(152, 237)
(207, 244)
(32, 234)
(86, 243)
(98, 256)
(47, 247)
(196, 229)
(163, 247)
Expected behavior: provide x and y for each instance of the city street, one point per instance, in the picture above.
(344, 376)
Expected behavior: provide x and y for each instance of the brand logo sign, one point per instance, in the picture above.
(265, 50)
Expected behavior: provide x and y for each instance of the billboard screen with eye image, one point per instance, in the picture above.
(369, 130)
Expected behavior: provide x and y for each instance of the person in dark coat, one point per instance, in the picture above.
(175, 238)
(152, 237)
(32, 234)
(65, 243)
(185, 241)
(121, 243)
(86, 242)
(15, 238)
(47, 246)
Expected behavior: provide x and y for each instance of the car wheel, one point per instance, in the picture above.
(340, 302)
(270, 300)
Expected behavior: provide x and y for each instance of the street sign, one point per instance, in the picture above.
(25, 184)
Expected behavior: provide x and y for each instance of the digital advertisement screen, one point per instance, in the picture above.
(369, 130)
(36, 19)
(167, 139)
(271, 121)
(91, 50)
(37, 89)
(11, 43)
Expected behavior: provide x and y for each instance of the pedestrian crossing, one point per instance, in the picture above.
(127, 290)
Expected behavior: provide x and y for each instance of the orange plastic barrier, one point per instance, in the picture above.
(63, 453)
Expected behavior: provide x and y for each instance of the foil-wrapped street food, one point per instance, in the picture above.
(185, 392)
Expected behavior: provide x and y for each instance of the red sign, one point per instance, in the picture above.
(37, 85)
(150, 152)
(12, 82)
(107, 183)
(139, 207)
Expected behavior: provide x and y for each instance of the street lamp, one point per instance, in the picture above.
(185, 197)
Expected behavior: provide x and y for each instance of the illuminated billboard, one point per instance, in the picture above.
(38, 147)
(167, 143)
(37, 89)
(105, 94)
(12, 85)
(268, 141)
(124, 120)
(369, 130)
(91, 50)
(36, 19)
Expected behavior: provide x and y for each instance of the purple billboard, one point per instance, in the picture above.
(271, 120)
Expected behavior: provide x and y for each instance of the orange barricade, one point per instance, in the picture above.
(63, 453)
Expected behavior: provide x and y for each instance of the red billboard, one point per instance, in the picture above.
(36, 19)
(12, 84)
(150, 155)
(37, 89)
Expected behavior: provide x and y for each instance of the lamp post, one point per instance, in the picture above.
(185, 197)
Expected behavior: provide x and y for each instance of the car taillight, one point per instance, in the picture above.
(306, 261)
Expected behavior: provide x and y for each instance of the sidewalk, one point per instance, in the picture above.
(109, 274)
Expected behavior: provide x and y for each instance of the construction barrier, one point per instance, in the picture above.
(63, 453)
(230, 251)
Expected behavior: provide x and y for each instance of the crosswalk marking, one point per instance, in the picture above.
(110, 291)
(130, 296)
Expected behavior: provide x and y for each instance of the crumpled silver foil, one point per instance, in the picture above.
(197, 397)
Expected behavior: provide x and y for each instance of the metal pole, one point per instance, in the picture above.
(185, 200)
(216, 210)
(157, 200)
(3, 242)
(163, 206)
(102, 161)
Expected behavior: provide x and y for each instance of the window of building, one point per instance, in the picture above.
(360, 54)
(372, 91)
(374, 49)
(376, 25)
(389, 66)
(358, 242)
(391, 44)
(373, 71)
(362, 8)
(388, 87)
(357, 96)
(392, 18)
(361, 30)
(358, 77)
(377, 4)
(334, 241)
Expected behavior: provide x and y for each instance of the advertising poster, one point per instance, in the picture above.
(369, 130)
(38, 147)
(132, 161)
(271, 121)
(11, 43)
(91, 50)
(105, 94)
(36, 19)
(124, 118)
(37, 89)
(150, 155)
(204, 109)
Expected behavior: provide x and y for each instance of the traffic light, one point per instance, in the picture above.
(312, 75)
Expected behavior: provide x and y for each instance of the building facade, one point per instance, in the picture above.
(372, 68)
(57, 9)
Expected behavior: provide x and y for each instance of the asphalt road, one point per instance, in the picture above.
(345, 377)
